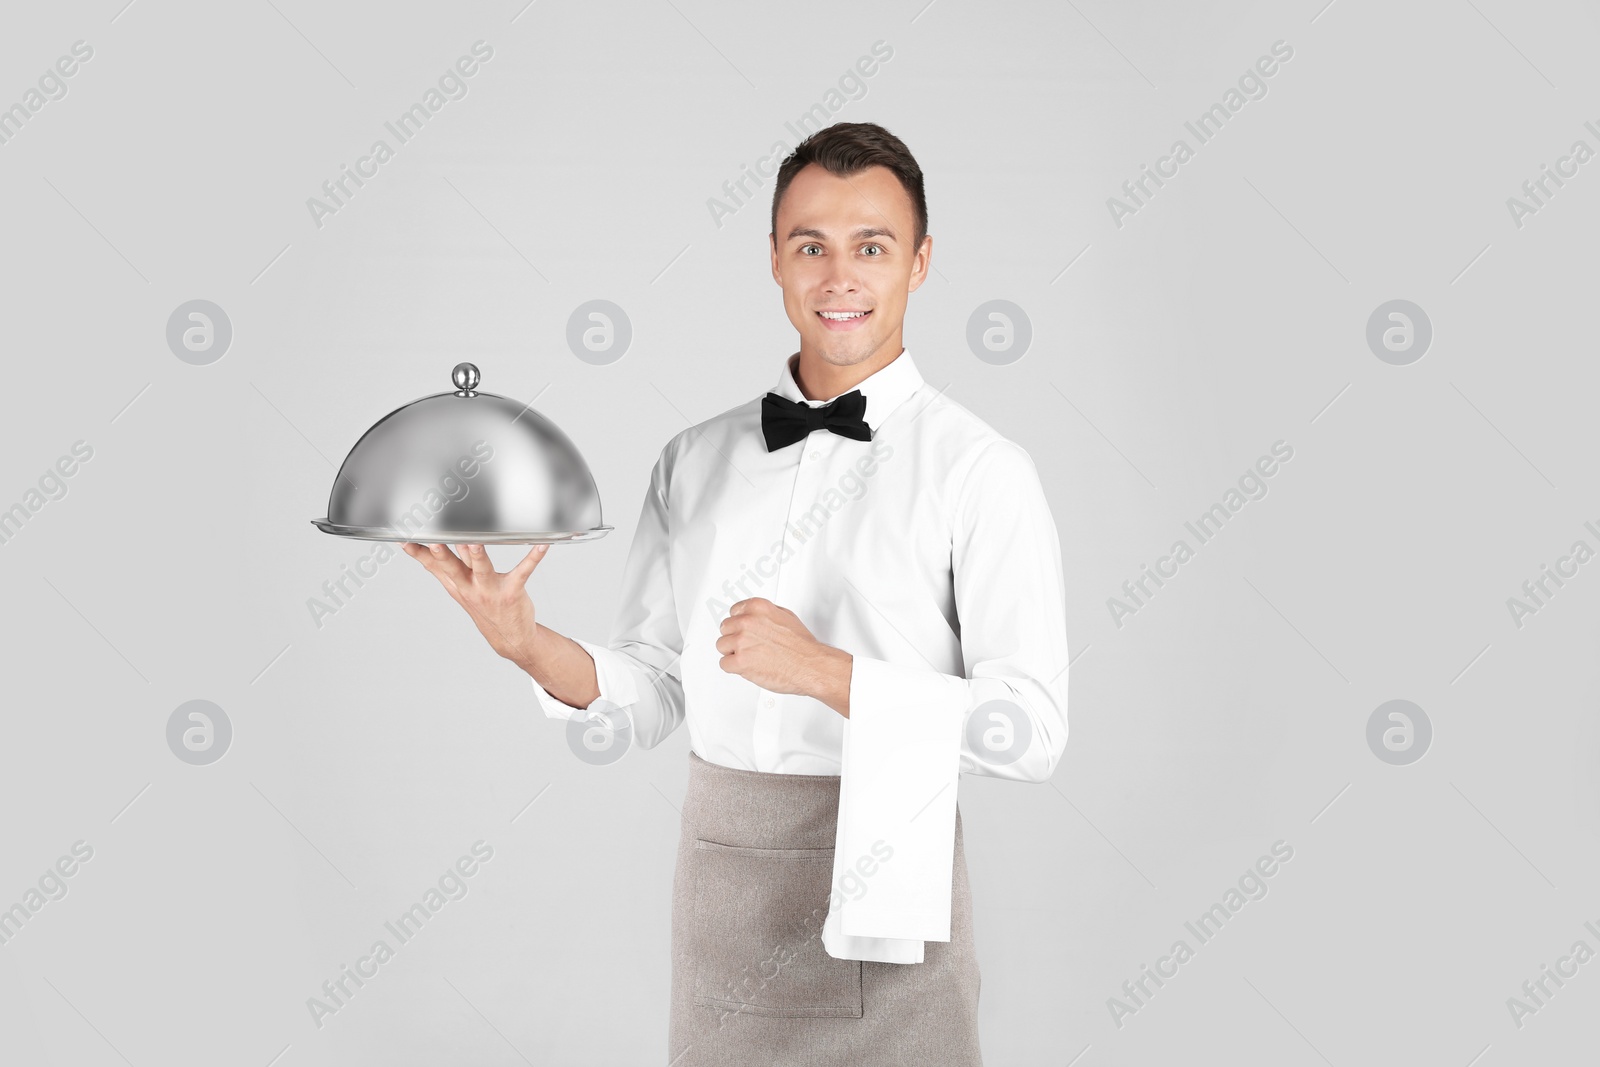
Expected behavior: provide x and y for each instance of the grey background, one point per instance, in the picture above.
(1167, 354)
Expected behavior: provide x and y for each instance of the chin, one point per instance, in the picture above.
(846, 351)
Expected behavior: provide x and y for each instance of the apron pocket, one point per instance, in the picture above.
(757, 933)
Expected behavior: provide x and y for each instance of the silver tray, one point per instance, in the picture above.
(466, 537)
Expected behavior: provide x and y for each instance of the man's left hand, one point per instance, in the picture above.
(771, 647)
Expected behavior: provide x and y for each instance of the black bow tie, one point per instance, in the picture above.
(785, 421)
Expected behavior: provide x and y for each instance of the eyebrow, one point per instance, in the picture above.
(861, 234)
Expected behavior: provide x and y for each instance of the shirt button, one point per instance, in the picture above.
(813, 455)
(769, 702)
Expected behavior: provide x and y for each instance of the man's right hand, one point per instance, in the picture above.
(499, 604)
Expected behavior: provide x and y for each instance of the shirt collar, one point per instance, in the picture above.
(885, 389)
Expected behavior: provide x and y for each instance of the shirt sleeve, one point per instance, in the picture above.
(912, 730)
(1011, 600)
(639, 670)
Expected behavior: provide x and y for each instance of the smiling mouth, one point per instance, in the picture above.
(842, 316)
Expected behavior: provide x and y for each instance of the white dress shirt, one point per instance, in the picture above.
(929, 554)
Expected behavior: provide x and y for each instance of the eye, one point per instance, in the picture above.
(878, 247)
(806, 246)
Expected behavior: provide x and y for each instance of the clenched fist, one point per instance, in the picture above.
(770, 646)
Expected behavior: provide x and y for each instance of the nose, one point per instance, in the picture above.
(840, 282)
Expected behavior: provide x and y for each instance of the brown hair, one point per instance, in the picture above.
(847, 148)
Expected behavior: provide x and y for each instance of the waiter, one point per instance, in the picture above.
(850, 590)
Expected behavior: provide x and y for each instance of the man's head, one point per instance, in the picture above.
(849, 233)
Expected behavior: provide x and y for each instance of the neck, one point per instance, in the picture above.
(820, 380)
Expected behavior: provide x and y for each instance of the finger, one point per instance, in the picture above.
(478, 559)
(432, 561)
(524, 568)
(419, 553)
(445, 563)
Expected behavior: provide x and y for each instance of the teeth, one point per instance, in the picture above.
(841, 316)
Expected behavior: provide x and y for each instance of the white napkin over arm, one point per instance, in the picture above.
(907, 740)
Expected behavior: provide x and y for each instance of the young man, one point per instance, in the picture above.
(851, 591)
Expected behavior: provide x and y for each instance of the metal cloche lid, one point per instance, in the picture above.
(464, 467)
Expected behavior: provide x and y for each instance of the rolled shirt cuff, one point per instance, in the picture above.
(612, 675)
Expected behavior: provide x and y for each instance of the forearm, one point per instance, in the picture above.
(562, 667)
(831, 683)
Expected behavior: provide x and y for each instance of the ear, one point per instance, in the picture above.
(919, 266)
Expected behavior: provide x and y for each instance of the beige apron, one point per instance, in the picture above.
(751, 981)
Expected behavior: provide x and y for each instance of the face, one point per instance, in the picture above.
(844, 244)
